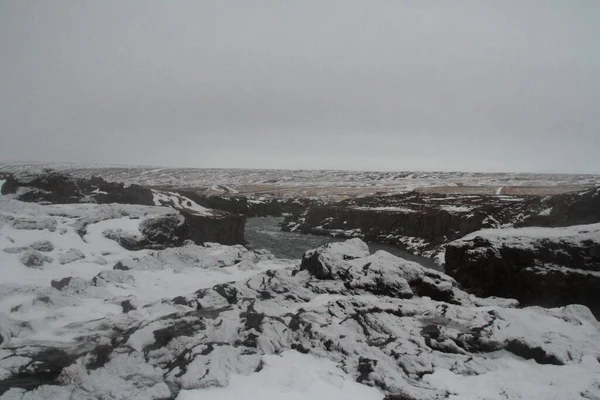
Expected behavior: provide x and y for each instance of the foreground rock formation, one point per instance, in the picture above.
(176, 322)
(543, 266)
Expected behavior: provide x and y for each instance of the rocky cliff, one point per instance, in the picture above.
(567, 209)
(199, 224)
(550, 267)
(419, 222)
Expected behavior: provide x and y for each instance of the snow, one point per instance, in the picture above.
(2, 181)
(290, 375)
(528, 381)
(574, 234)
(178, 201)
(545, 212)
(456, 209)
(173, 271)
(393, 209)
(234, 316)
(499, 190)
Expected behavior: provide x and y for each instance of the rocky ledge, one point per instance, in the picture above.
(424, 223)
(191, 222)
(544, 266)
(250, 206)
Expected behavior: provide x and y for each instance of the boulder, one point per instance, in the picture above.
(380, 273)
(33, 259)
(70, 256)
(71, 285)
(42, 245)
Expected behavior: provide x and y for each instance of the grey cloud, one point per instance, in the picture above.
(485, 85)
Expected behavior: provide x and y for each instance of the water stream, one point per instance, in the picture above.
(265, 233)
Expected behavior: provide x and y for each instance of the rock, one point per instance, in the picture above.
(419, 222)
(166, 231)
(42, 245)
(15, 250)
(128, 305)
(61, 188)
(567, 209)
(50, 186)
(115, 276)
(380, 273)
(549, 267)
(71, 285)
(70, 256)
(35, 224)
(33, 258)
(224, 229)
(127, 240)
(361, 318)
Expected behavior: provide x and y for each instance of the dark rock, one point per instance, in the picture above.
(127, 306)
(522, 349)
(70, 284)
(50, 186)
(33, 258)
(548, 272)
(43, 369)
(567, 209)
(42, 245)
(224, 229)
(166, 231)
(120, 266)
(61, 283)
(433, 218)
(100, 356)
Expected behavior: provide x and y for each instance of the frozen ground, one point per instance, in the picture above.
(335, 184)
(83, 318)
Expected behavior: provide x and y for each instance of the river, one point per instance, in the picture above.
(265, 233)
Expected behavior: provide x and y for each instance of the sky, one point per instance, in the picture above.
(340, 84)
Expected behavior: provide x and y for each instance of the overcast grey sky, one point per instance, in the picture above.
(341, 84)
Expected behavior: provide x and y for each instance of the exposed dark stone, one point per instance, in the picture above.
(180, 300)
(228, 291)
(43, 369)
(127, 306)
(522, 349)
(163, 336)
(101, 355)
(223, 228)
(545, 272)
(120, 266)
(365, 367)
(61, 283)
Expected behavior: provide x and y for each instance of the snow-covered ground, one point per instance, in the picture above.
(83, 318)
(311, 182)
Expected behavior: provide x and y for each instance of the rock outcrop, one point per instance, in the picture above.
(251, 207)
(419, 222)
(194, 222)
(567, 209)
(382, 320)
(549, 267)
(60, 188)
